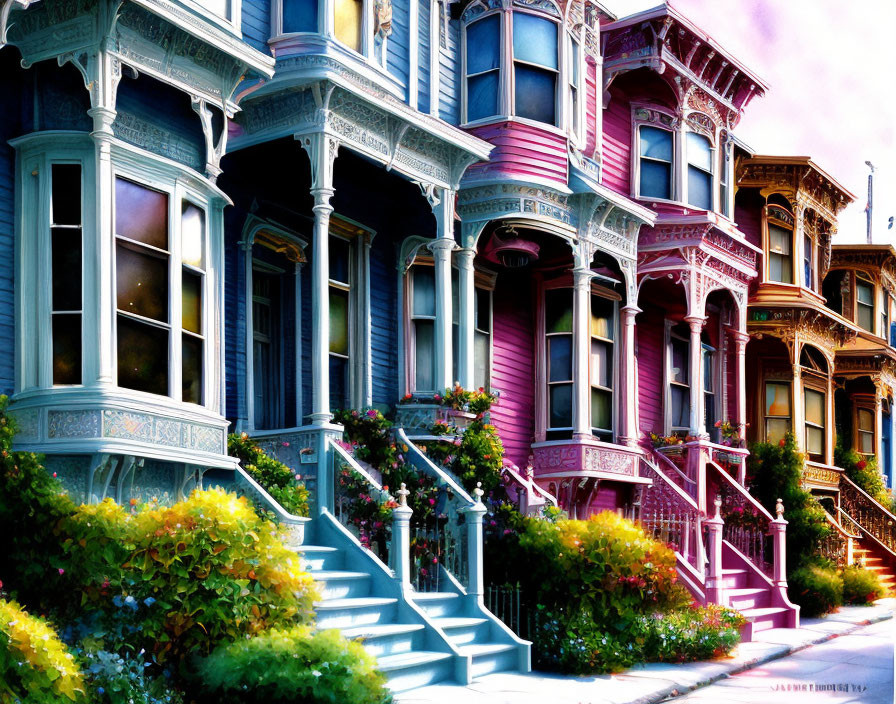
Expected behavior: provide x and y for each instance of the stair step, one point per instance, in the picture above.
(437, 603)
(460, 630)
(765, 617)
(416, 669)
(319, 557)
(747, 598)
(342, 585)
(356, 611)
(491, 657)
(381, 640)
(734, 579)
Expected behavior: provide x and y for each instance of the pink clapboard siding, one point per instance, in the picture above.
(591, 107)
(513, 370)
(610, 496)
(650, 327)
(749, 220)
(617, 126)
(522, 152)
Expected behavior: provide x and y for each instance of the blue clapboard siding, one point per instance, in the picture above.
(10, 101)
(234, 316)
(397, 51)
(449, 78)
(424, 54)
(256, 23)
(384, 316)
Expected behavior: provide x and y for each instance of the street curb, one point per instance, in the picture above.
(678, 690)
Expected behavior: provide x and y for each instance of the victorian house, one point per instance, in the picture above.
(243, 215)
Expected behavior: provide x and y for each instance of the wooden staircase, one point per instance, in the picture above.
(876, 549)
(872, 557)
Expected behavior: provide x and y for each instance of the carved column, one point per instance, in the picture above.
(740, 339)
(581, 336)
(628, 380)
(697, 422)
(878, 427)
(799, 414)
(321, 150)
(466, 317)
(442, 203)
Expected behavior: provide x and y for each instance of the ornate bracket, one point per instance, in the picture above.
(213, 152)
(5, 12)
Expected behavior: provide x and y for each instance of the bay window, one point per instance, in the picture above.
(603, 340)
(558, 319)
(422, 309)
(780, 253)
(700, 171)
(483, 62)
(808, 267)
(679, 376)
(655, 166)
(298, 16)
(884, 314)
(725, 177)
(777, 411)
(864, 301)
(535, 68)
(349, 16)
(814, 402)
(66, 244)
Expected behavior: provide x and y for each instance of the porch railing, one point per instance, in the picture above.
(444, 543)
(530, 498)
(838, 546)
(673, 471)
(873, 519)
(669, 513)
(294, 525)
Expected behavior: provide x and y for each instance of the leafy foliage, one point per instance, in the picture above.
(280, 481)
(816, 587)
(114, 678)
(475, 455)
(860, 586)
(35, 666)
(866, 475)
(294, 665)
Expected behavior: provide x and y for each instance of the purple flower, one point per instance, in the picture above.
(371, 413)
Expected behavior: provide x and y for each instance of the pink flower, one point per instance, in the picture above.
(371, 413)
(285, 444)
(432, 502)
(298, 477)
(54, 475)
(61, 571)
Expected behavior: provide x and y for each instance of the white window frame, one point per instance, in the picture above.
(231, 20)
(373, 49)
(713, 175)
(865, 279)
(668, 383)
(782, 223)
(615, 346)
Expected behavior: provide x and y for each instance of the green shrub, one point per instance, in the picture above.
(866, 475)
(114, 678)
(35, 665)
(291, 666)
(698, 633)
(193, 574)
(816, 587)
(280, 481)
(860, 586)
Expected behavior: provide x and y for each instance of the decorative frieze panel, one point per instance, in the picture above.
(493, 201)
(577, 457)
(820, 476)
(800, 325)
(147, 135)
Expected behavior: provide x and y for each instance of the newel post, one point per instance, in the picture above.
(779, 538)
(715, 590)
(474, 517)
(401, 539)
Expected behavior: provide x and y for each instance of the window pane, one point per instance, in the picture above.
(560, 358)
(708, 370)
(779, 240)
(534, 40)
(66, 194)
(339, 321)
(780, 268)
(814, 407)
(424, 291)
(142, 356)
(574, 62)
(66, 267)
(601, 364)
(680, 398)
(339, 259)
(191, 384)
(656, 179)
(480, 359)
(656, 143)
(866, 317)
(777, 400)
(865, 293)
(601, 409)
(141, 214)
(482, 96)
(558, 310)
(866, 420)
(483, 310)
(699, 188)
(776, 429)
(535, 94)
(602, 317)
(348, 23)
(866, 443)
(807, 261)
(338, 383)
(299, 15)
(699, 152)
(484, 45)
(814, 440)
(192, 236)
(680, 361)
(561, 406)
(192, 302)
(424, 355)
(142, 281)
(67, 348)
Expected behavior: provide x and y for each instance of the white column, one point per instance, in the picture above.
(696, 375)
(442, 202)
(628, 380)
(799, 414)
(740, 377)
(878, 429)
(466, 298)
(321, 150)
(581, 340)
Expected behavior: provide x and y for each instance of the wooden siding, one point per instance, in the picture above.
(593, 109)
(650, 333)
(617, 152)
(522, 151)
(423, 55)
(449, 76)
(397, 46)
(234, 316)
(513, 368)
(10, 108)
(256, 23)
(384, 320)
(748, 215)
(610, 496)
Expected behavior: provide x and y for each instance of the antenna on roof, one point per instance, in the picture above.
(868, 207)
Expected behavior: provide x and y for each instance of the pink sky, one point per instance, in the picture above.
(831, 71)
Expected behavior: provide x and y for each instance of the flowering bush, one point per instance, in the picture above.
(866, 475)
(290, 665)
(370, 435)
(665, 440)
(730, 432)
(475, 455)
(35, 666)
(457, 398)
(280, 481)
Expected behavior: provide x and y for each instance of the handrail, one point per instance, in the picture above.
(270, 502)
(421, 461)
(868, 496)
(874, 520)
(671, 464)
(841, 529)
(346, 457)
(671, 484)
(518, 477)
(741, 490)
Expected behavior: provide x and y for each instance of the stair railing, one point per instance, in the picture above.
(748, 525)
(360, 502)
(450, 541)
(530, 498)
(868, 514)
(838, 546)
(670, 515)
(294, 525)
(674, 472)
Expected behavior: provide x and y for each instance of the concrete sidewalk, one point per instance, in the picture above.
(653, 682)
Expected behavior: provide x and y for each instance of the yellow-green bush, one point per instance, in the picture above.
(860, 586)
(283, 666)
(35, 665)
